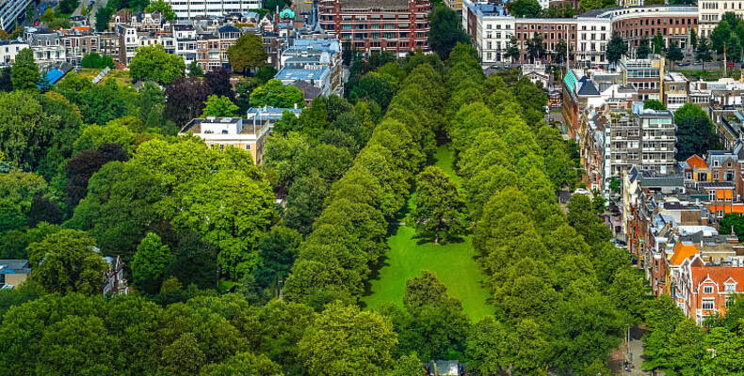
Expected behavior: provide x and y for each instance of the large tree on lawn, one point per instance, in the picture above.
(438, 206)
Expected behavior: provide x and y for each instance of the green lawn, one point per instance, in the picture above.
(453, 263)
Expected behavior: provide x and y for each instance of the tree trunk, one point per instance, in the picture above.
(436, 238)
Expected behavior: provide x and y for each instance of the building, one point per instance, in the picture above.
(9, 50)
(219, 132)
(710, 13)
(12, 11)
(46, 45)
(316, 62)
(551, 30)
(372, 26)
(114, 282)
(643, 138)
(269, 115)
(490, 30)
(645, 75)
(672, 22)
(188, 9)
(13, 272)
(78, 42)
(675, 90)
(704, 290)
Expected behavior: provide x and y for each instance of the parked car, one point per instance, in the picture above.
(683, 64)
(507, 66)
(495, 67)
(697, 62)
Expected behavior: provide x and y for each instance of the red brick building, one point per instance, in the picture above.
(369, 26)
(703, 291)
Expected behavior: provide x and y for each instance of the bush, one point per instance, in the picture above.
(94, 60)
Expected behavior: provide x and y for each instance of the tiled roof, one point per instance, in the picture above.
(696, 161)
(719, 274)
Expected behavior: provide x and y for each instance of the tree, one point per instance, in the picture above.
(616, 48)
(103, 16)
(524, 8)
(345, 341)
(562, 52)
(247, 53)
(25, 73)
(219, 106)
(185, 99)
(485, 347)
(693, 39)
(195, 70)
(68, 6)
(25, 129)
(703, 51)
(94, 60)
(377, 87)
(153, 63)
(733, 224)
(643, 49)
(438, 206)
(695, 132)
(239, 209)
(67, 261)
(274, 93)
(446, 30)
(535, 47)
(512, 51)
(437, 327)
(243, 364)
(80, 168)
(587, 5)
(218, 81)
(674, 53)
(151, 263)
(720, 37)
(658, 43)
(17, 192)
(653, 104)
(277, 251)
(164, 8)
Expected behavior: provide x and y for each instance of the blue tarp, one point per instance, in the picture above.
(52, 77)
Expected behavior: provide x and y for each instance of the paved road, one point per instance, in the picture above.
(93, 10)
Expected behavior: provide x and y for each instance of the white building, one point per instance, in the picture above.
(219, 132)
(593, 34)
(186, 9)
(711, 13)
(489, 29)
(9, 50)
(10, 11)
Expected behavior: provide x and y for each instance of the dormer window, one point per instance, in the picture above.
(715, 163)
(707, 289)
(730, 287)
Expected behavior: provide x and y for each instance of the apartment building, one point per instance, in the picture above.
(489, 29)
(78, 42)
(316, 61)
(46, 45)
(645, 75)
(10, 11)
(675, 90)
(187, 9)
(704, 290)
(672, 22)
(551, 30)
(710, 13)
(219, 132)
(592, 36)
(643, 138)
(371, 26)
(9, 49)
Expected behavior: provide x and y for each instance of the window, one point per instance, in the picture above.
(730, 287)
(707, 289)
(712, 195)
(709, 304)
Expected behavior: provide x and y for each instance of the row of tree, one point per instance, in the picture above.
(348, 238)
(563, 294)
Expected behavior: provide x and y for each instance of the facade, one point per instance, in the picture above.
(187, 9)
(644, 138)
(711, 12)
(672, 22)
(675, 90)
(46, 45)
(645, 75)
(489, 29)
(78, 42)
(10, 11)
(373, 26)
(9, 50)
(219, 132)
(703, 290)
(552, 31)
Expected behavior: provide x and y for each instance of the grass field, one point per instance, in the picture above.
(453, 263)
(121, 76)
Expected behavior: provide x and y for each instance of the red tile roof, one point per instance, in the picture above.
(696, 161)
(719, 274)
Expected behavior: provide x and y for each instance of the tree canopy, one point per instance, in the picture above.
(247, 53)
(153, 63)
